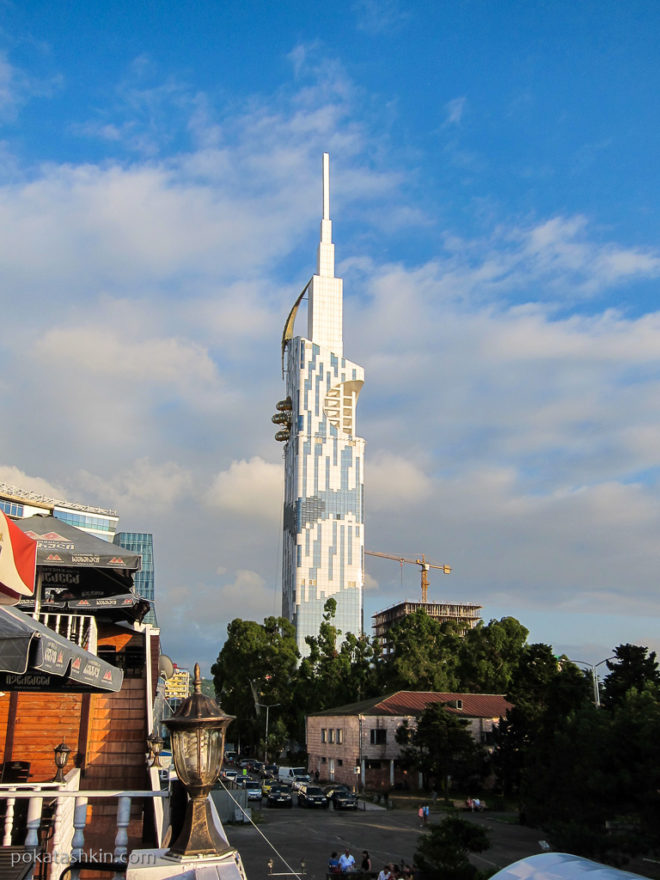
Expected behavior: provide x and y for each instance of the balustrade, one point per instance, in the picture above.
(68, 835)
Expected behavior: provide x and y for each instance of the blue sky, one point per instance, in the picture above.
(495, 204)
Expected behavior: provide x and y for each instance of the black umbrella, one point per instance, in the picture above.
(33, 657)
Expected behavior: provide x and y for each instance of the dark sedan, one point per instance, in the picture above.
(279, 796)
(312, 796)
(342, 797)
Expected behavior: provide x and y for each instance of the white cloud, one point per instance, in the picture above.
(140, 489)
(15, 477)
(454, 110)
(378, 17)
(249, 488)
(395, 481)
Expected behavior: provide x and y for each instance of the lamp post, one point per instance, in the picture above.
(267, 707)
(198, 730)
(594, 675)
(155, 744)
(62, 753)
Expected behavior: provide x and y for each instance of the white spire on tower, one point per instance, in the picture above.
(325, 261)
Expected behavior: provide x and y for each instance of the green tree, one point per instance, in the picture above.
(440, 746)
(257, 664)
(489, 655)
(543, 691)
(443, 852)
(633, 667)
(423, 654)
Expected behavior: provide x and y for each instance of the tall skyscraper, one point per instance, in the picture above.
(324, 458)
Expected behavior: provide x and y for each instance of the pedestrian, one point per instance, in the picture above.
(365, 865)
(427, 813)
(420, 814)
(333, 863)
(385, 873)
(346, 862)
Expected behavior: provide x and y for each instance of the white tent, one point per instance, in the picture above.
(561, 866)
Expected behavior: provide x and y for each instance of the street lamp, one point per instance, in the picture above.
(594, 675)
(197, 732)
(62, 753)
(267, 707)
(155, 744)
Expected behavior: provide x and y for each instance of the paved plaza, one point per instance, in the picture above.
(388, 835)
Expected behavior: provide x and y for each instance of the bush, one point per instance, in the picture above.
(442, 854)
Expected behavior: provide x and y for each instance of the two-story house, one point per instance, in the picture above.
(356, 744)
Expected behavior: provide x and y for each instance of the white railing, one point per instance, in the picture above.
(70, 821)
(77, 628)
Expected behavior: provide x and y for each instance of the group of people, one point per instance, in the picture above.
(396, 872)
(423, 812)
(475, 805)
(346, 864)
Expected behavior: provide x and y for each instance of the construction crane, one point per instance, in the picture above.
(423, 564)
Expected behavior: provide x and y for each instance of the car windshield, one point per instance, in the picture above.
(311, 790)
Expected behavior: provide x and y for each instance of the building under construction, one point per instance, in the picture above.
(466, 615)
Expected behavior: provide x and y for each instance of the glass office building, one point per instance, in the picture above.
(145, 584)
(19, 503)
(323, 554)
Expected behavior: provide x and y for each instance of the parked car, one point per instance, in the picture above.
(266, 785)
(299, 781)
(312, 796)
(256, 767)
(341, 797)
(229, 775)
(253, 788)
(279, 796)
(289, 775)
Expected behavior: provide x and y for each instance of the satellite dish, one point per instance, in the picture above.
(165, 667)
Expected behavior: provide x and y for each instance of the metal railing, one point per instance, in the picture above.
(67, 837)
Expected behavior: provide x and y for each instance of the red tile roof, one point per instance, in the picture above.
(414, 702)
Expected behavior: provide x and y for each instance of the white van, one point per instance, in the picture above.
(293, 776)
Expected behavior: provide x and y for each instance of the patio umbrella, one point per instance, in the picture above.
(18, 554)
(33, 657)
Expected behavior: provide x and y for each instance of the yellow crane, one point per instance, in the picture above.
(423, 564)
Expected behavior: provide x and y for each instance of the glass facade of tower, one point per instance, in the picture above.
(324, 492)
(145, 584)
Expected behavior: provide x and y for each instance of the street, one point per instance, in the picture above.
(388, 835)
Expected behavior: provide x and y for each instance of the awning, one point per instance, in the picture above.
(33, 657)
(58, 543)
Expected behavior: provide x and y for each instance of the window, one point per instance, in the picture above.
(324, 735)
(331, 735)
(378, 736)
(340, 763)
(340, 736)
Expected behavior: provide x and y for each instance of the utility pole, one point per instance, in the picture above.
(267, 707)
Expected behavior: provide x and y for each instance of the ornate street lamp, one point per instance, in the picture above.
(197, 731)
(155, 744)
(61, 757)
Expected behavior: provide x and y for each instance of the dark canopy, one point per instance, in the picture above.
(33, 657)
(58, 543)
